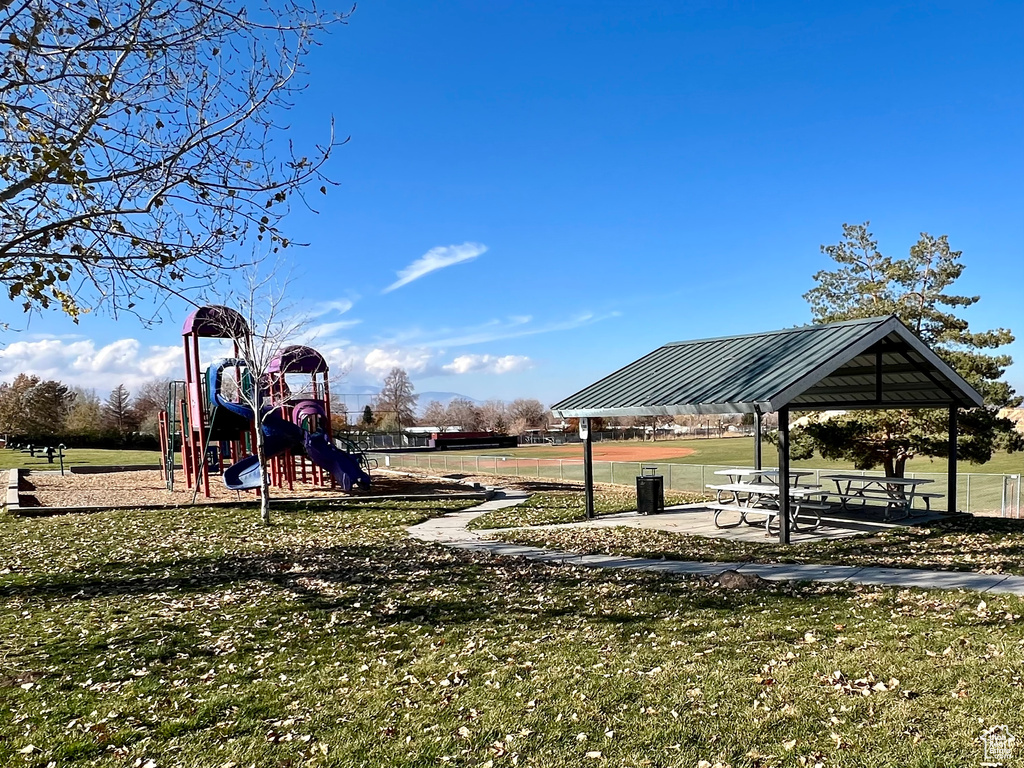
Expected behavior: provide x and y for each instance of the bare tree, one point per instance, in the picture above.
(464, 413)
(529, 411)
(149, 400)
(435, 415)
(269, 324)
(139, 141)
(494, 416)
(397, 398)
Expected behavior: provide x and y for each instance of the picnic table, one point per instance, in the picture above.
(763, 499)
(898, 493)
(739, 474)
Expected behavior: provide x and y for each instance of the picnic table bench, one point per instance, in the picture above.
(763, 499)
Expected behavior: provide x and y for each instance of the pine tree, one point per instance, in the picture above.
(917, 290)
(117, 411)
(47, 405)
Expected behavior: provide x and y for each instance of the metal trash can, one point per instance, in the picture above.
(650, 492)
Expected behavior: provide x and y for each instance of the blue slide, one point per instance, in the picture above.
(280, 436)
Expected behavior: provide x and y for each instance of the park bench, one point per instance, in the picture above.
(927, 499)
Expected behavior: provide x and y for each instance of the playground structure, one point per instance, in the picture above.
(211, 421)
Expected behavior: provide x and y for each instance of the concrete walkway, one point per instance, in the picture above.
(451, 531)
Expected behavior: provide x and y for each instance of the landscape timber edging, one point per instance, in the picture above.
(14, 500)
(89, 469)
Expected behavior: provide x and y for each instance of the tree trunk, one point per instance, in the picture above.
(895, 466)
(261, 454)
(890, 467)
(901, 466)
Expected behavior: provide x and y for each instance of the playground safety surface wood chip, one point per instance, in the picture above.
(143, 487)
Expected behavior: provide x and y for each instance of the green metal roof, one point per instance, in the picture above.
(873, 363)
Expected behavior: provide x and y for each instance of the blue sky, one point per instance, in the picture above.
(603, 177)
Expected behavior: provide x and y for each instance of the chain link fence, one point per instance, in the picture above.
(979, 493)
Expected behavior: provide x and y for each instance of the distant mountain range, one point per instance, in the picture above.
(356, 389)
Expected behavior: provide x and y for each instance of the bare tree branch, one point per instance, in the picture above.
(140, 143)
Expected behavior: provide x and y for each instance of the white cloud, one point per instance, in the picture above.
(365, 365)
(341, 306)
(379, 362)
(488, 364)
(80, 363)
(162, 362)
(513, 327)
(434, 259)
(324, 333)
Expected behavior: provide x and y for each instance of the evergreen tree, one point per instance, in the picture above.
(47, 406)
(917, 289)
(367, 420)
(117, 411)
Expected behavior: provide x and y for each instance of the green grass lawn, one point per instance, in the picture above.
(332, 639)
(985, 544)
(78, 457)
(963, 543)
(739, 451)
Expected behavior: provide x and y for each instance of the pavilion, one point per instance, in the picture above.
(875, 363)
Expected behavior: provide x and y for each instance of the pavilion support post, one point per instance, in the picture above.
(757, 438)
(951, 469)
(588, 472)
(784, 507)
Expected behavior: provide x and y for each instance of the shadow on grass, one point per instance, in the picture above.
(969, 524)
(385, 573)
(961, 543)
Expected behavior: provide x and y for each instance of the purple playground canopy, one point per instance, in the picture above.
(298, 359)
(215, 322)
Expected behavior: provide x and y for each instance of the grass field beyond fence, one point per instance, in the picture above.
(988, 494)
(739, 452)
